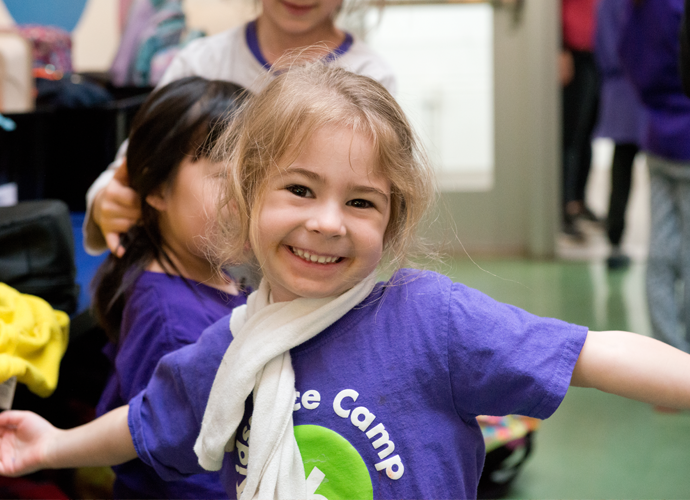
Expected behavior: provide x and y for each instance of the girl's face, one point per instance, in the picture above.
(186, 204)
(322, 219)
(299, 17)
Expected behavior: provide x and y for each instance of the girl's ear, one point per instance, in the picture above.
(157, 199)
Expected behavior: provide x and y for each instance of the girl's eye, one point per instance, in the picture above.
(359, 203)
(298, 190)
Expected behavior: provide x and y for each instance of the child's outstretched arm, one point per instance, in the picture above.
(29, 443)
(635, 367)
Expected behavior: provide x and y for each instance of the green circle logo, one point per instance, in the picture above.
(334, 468)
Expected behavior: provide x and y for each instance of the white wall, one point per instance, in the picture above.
(214, 16)
(96, 37)
(442, 56)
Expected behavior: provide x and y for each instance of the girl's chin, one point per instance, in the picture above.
(308, 291)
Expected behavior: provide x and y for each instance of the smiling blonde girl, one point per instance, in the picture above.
(328, 384)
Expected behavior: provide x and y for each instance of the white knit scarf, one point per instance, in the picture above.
(258, 360)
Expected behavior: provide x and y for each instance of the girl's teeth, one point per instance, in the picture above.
(313, 258)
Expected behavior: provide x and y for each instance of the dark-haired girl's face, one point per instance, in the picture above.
(187, 207)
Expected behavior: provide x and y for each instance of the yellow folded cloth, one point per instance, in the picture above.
(33, 339)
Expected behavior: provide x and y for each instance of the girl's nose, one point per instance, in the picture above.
(328, 220)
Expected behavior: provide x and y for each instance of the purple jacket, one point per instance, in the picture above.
(649, 50)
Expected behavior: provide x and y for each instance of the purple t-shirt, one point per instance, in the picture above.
(162, 314)
(387, 395)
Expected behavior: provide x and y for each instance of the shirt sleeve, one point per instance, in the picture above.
(504, 360)
(165, 418)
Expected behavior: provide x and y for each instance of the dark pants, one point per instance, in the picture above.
(580, 101)
(621, 179)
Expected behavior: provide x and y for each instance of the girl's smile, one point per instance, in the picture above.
(322, 220)
(296, 9)
(313, 257)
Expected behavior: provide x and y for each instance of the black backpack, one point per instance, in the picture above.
(37, 252)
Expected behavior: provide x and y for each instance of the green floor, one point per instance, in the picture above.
(596, 445)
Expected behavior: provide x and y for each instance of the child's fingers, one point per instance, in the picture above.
(21, 438)
(117, 225)
(112, 240)
(10, 419)
(122, 174)
(121, 206)
(9, 422)
(126, 198)
(7, 462)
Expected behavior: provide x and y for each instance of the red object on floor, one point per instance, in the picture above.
(20, 487)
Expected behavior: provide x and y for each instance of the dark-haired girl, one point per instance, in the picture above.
(163, 292)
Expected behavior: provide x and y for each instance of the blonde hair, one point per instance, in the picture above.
(281, 119)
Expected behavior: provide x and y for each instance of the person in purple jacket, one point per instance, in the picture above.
(650, 54)
(163, 292)
(620, 119)
(328, 384)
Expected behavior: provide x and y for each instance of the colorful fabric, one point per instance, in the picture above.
(33, 339)
(498, 431)
(51, 46)
(153, 27)
(164, 31)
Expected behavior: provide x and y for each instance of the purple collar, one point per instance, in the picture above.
(253, 43)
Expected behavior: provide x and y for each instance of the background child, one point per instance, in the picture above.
(163, 292)
(241, 55)
(579, 80)
(650, 54)
(380, 384)
(621, 119)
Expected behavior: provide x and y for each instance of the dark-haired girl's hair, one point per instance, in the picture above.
(179, 120)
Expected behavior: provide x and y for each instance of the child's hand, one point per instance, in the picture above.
(116, 208)
(24, 439)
